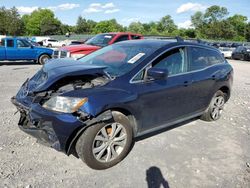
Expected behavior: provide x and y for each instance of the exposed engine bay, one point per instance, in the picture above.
(68, 84)
(71, 83)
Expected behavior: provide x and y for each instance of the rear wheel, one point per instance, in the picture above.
(103, 145)
(215, 108)
(43, 58)
(50, 45)
(242, 58)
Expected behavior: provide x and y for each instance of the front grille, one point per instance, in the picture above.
(60, 54)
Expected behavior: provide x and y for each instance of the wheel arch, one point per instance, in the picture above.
(42, 53)
(71, 141)
(226, 91)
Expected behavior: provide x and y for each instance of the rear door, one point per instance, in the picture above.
(2, 49)
(10, 50)
(204, 67)
(237, 53)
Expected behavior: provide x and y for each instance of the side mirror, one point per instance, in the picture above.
(31, 46)
(157, 73)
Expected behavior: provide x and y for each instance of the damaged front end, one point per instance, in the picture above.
(47, 113)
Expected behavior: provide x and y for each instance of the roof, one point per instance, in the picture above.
(122, 33)
(156, 43)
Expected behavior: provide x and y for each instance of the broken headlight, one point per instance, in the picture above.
(64, 104)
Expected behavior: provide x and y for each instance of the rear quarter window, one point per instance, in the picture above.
(135, 37)
(10, 43)
(201, 58)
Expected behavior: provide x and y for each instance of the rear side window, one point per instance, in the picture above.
(122, 38)
(202, 58)
(10, 43)
(135, 37)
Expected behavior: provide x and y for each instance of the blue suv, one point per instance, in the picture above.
(95, 106)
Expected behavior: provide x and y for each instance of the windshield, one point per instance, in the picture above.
(118, 58)
(100, 40)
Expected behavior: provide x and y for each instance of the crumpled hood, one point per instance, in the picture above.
(57, 69)
(80, 47)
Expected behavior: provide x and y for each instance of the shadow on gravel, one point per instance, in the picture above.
(155, 179)
(139, 138)
(9, 63)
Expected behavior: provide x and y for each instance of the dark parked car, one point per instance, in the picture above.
(96, 106)
(241, 53)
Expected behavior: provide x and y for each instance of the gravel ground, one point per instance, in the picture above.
(196, 154)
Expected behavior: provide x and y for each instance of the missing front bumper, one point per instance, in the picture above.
(42, 130)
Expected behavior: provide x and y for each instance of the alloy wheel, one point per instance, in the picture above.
(109, 142)
(217, 108)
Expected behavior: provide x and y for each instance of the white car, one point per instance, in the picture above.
(227, 52)
(53, 43)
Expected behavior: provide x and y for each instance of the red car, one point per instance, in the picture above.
(93, 44)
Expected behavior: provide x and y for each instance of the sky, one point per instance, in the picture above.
(127, 11)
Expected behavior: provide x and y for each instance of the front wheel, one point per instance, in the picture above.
(103, 145)
(215, 108)
(43, 58)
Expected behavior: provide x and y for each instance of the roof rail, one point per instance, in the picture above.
(197, 40)
(177, 38)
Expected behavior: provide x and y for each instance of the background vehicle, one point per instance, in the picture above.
(53, 43)
(241, 53)
(13, 49)
(95, 106)
(226, 51)
(93, 44)
(77, 42)
(39, 39)
(33, 43)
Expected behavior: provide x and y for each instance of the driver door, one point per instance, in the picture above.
(24, 50)
(167, 100)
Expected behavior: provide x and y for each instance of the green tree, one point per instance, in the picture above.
(3, 20)
(247, 36)
(215, 13)
(10, 22)
(50, 27)
(213, 24)
(107, 26)
(91, 26)
(136, 27)
(81, 25)
(42, 21)
(166, 25)
(239, 23)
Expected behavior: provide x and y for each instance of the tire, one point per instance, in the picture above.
(242, 58)
(42, 59)
(63, 45)
(50, 45)
(100, 152)
(215, 108)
